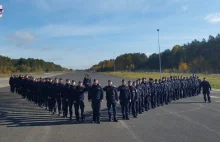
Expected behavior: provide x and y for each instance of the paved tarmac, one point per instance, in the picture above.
(186, 120)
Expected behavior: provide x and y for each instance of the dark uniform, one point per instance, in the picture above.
(56, 89)
(112, 98)
(79, 101)
(132, 104)
(65, 96)
(12, 84)
(87, 81)
(96, 96)
(59, 95)
(153, 93)
(71, 99)
(206, 88)
(124, 98)
(140, 92)
(51, 97)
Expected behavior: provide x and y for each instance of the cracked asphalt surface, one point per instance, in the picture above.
(186, 120)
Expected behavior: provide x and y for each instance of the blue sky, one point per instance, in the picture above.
(80, 33)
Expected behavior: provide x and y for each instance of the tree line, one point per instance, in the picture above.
(197, 56)
(8, 65)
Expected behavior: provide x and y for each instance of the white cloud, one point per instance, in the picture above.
(213, 18)
(20, 38)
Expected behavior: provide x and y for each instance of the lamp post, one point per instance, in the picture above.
(158, 31)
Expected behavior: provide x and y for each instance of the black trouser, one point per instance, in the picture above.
(45, 100)
(161, 98)
(140, 106)
(65, 107)
(112, 105)
(124, 108)
(96, 106)
(158, 99)
(147, 102)
(79, 104)
(40, 97)
(51, 105)
(175, 94)
(208, 96)
(153, 100)
(12, 88)
(198, 90)
(16, 89)
(189, 92)
(129, 108)
(142, 103)
(133, 107)
(58, 100)
(165, 97)
(194, 91)
(137, 107)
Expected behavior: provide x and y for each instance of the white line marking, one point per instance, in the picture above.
(130, 131)
(207, 106)
(192, 121)
(191, 110)
(216, 97)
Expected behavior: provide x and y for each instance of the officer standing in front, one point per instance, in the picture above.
(112, 99)
(125, 99)
(95, 96)
(206, 88)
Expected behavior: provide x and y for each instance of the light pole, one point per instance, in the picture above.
(159, 52)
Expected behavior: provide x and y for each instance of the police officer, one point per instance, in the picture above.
(79, 101)
(206, 88)
(12, 83)
(51, 97)
(87, 81)
(112, 99)
(130, 86)
(132, 104)
(95, 96)
(65, 96)
(135, 109)
(152, 92)
(71, 98)
(56, 92)
(140, 92)
(125, 99)
(59, 95)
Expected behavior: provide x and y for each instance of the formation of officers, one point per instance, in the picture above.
(134, 97)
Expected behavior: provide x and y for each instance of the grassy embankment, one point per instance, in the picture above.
(214, 79)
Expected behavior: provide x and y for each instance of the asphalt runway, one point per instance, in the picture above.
(186, 120)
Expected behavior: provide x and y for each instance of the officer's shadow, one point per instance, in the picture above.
(26, 117)
(18, 112)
